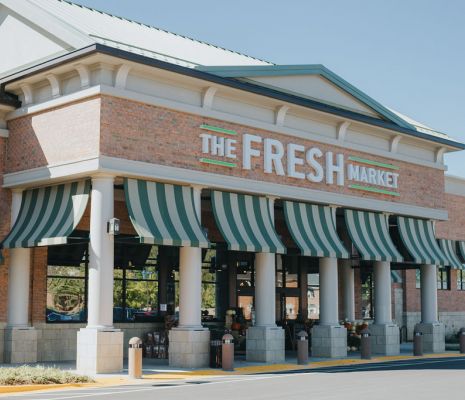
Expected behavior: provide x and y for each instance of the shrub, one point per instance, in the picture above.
(28, 375)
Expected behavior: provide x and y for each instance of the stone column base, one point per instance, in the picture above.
(189, 348)
(20, 345)
(99, 351)
(329, 341)
(385, 339)
(265, 344)
(433, 337)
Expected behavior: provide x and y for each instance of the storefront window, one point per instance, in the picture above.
(460, 279)
(246, 303)
(367, 294)
(443, 278)
(313, 296)
(417, 279)
(66, 293)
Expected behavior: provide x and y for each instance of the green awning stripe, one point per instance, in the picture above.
(245, 222)
(370, 234)
(163, 214)
(313, 229)
(462, 249)
(419, 239)
(448, 247)
(396, 277)
(48, 215)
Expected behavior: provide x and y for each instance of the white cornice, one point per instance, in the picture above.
(138, 169)
(455, 185)
(196, 110)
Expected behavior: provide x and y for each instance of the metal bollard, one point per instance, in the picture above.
(365, 345)
(302, 348)
(227, 353)
(418, 344)
(462, 340)
(135, 358)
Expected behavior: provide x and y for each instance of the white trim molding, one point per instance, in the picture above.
(394, 143)
(84, 75)
(27, 93)
(208, 97)
(455, 185)
(4, 133)
(281, 115)
(439, 155)
(205, 112)
(55, 85)
(121, 76)
(144, 170)
(342, 131)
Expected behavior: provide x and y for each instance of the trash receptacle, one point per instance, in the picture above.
(215, 353)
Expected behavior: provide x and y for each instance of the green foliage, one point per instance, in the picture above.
(27, 375)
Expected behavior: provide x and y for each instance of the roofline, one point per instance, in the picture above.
(306, 69)
(230, 82)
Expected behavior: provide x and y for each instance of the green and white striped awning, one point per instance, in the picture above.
(313, 228)
(245, 222)
(164, 214)
(48, 215)
(461, 246)
(370, 234)
(449, 248)
(418, 237)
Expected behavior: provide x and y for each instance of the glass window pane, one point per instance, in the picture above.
(118, 312)
(208, 301)
(141, 300)
(246, 303)
(417, 279)
(313, 296)
(65, 299)
(54, 270)
(292, 307)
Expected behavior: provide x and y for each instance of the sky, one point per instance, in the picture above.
(407, 54)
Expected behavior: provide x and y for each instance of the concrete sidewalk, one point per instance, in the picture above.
(159, 370)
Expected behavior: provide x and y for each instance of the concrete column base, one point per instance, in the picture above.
(189, 348)
(385, 339)
(433, 337)
(99, 351)
(20, 345)
(329, 341)
(265, 344)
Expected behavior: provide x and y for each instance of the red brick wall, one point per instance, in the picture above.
(454, 228)
(39, 284)
(5, 201)
(54, 136)
(141, 132)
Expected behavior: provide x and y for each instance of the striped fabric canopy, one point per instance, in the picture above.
(461, 247)
(164, 214)
(370, 234)
(313, 228)
(418, 237)
(245, 222)
(48, 215)
(449, 249)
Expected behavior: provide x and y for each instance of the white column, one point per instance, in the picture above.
(190, 278)
(265, 289)
(190, 287)
(328, 292)
(429, 294)
(382, 287)
(348, 290)
(18, 275)
(189, 342)
(101, 254)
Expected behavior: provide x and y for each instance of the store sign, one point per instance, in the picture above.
(220, 147)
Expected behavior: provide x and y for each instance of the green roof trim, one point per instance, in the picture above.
(311, 69)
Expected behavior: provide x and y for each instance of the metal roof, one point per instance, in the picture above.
(142, 39)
